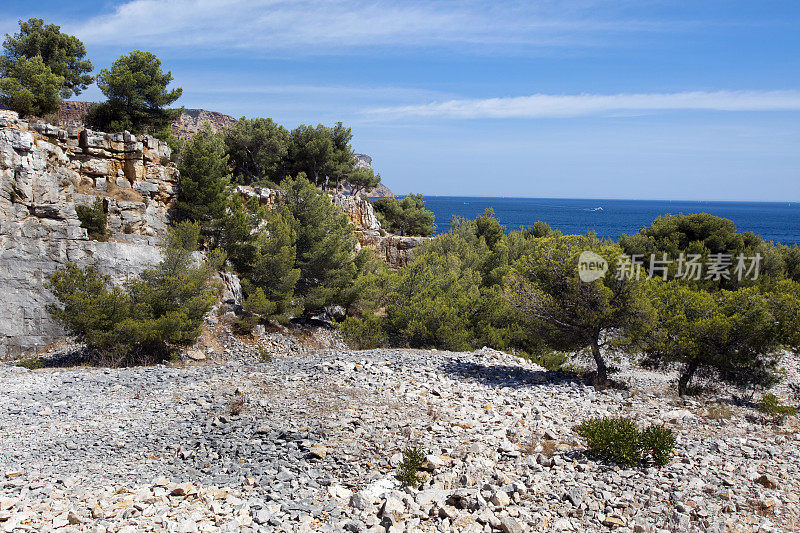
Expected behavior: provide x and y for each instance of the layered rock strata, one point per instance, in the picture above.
(45, 172)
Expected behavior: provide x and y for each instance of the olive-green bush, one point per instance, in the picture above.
(147, 318)
(620, 440)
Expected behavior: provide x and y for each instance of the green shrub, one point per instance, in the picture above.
(619, 440)
(658, 441)
(148, 317)
(549, 359)
(772, 407)
(408, 472)
(94, 219)
(405, 216)
(364, 334)
(31, 363)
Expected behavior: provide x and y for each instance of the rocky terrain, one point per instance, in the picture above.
(275, 435)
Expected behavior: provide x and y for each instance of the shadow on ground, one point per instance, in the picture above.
(509, 376)
(81, 356)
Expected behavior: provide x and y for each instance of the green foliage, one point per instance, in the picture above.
(658, 441)
(619, 440)
(31, 363)
(94, 219)
(204, 178)
(772, 407)
(63, 54)
(541, 229)
(408, 472)
(301, 253)
(258, 150)
(136, 92)
(449, 295)
(362, 179)
(549, 359)
(324, 242)
(702, 235)
(321, 153)
(145, 319)
(364, 334)
(406, 216)
(29, 87)
(732, 335)
(568, 314)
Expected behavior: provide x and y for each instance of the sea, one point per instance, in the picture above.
(774, 221)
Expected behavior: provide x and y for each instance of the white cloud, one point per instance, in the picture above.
(319, 25)
(548, 105)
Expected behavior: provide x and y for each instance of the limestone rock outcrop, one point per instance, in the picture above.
(394, 250)
(45, 172)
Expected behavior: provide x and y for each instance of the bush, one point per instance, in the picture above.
(730, 335)
(772, 407)
(148, 317)
(406, 216)
(94, 219)
(619, 440)
(408, 472)
(364, 334)
(549, 359)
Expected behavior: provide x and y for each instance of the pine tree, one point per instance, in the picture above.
(204, 178)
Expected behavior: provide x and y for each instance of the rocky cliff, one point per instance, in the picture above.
(381, 191)
(184, 127)
(44, 173)
(394, 250)
(190, 121)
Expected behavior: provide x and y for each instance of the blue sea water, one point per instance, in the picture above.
(778, 222)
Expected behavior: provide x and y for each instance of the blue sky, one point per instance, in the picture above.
(586, 99)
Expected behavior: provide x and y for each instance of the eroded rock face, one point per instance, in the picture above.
(394, 250)
(45, 172)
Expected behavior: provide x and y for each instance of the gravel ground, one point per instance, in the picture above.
(310, 441)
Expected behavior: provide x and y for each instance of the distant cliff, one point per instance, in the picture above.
(184, 127)
(190, 121)
(381, 191)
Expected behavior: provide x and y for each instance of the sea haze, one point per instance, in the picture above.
(778, 222)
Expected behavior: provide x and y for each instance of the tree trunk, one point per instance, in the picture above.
(686, 376)
(602, 369)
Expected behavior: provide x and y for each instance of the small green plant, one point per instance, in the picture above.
(772, 407)
(263, 354)
(31, 363)
(408, 473)
(719, 411)
(549, 359)
(127, 229)
(94, 219)
(659, 441)
(619, 440)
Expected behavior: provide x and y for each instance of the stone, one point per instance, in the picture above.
(318, 451)
(767, 481)
(510, 525)
(182, 489)
(500, 499)
(613, 521)
(196, 355)
(361, 501)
